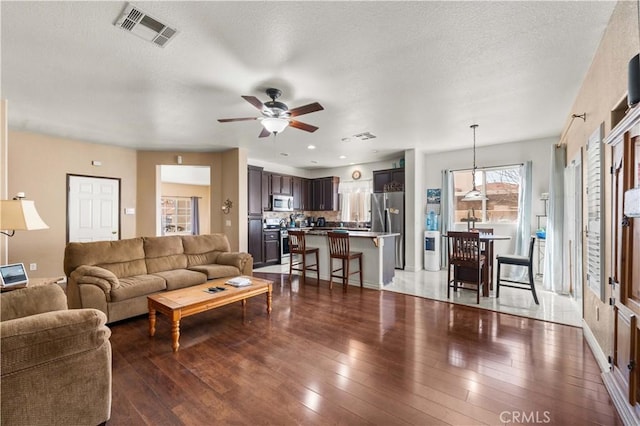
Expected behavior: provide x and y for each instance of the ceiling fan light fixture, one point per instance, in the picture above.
(275, 125)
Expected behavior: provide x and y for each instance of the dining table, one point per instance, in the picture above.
(486, 245)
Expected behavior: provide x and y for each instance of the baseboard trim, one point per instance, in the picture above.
(611, 380)
(601, 358)
(628, 415)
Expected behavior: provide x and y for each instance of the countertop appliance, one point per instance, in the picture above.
(387, 215)
(271, 223)
(320, 222)
(282, 203)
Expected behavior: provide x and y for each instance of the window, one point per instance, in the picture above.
(500, 185)
(355, 201)
(355, 207)
(176, 215)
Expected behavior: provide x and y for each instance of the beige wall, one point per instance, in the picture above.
(3, 172)
(38, 166)
(603, 87)
(225, 183)
(183, 190)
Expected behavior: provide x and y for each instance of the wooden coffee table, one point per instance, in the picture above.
(177, 304)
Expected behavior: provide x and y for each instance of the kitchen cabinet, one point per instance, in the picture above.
(301, 190)
(271, 250)
(281, 184)
(254, 191)
(256, 246)
(325, 193)
(394, 177)
(266, 191)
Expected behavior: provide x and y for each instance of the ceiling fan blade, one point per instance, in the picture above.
(227, 120)
(254, 101)
(264, 133)
(302, 126)
(306, 109)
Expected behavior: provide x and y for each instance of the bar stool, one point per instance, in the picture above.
(339, 249)
(297, 245)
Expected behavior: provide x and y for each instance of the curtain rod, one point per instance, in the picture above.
(504, 166)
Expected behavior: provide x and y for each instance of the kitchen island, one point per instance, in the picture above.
(378, 256)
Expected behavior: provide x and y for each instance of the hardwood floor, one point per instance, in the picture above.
(361, 357)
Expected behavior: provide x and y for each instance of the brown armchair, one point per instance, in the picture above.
(56, 363)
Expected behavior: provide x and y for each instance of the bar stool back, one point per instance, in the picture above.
(298, 246)
(339, 249)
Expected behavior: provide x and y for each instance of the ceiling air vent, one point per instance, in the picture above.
(145, 26)
(365, 136)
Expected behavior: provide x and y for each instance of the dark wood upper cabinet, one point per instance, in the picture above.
(298, 202)
(281, 184)
(325, 193)
(381, 178)
(254, 180)
(266, 191)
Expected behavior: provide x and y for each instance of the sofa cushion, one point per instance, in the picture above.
(125, 258)
(180, 278)
(164, 253)
(139, 285)
(217, 271)
(204, 249)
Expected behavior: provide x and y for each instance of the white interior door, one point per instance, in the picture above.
(93, 206)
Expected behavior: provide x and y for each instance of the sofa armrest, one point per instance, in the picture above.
(44, 338)
(242, 261)
(31, 301)
(103, 278)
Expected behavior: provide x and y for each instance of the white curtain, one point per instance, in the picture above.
(354, 198)
(553, 257)
(447, 212)
(523, 227)
(195, 215)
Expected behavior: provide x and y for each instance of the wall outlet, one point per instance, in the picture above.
(227, 222)
(33, 266)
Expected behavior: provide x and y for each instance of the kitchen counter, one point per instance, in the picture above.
(378, 256)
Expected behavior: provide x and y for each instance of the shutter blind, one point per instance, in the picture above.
(595, 221)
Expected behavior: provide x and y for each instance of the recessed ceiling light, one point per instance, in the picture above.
(342, 157)
(284, 154)
(375, 151)
(351, 163)
(311, 147)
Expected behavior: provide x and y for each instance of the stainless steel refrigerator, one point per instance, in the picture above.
(387, 215)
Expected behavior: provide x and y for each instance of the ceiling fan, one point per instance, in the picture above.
(276, 116)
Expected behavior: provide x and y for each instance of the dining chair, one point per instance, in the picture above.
(339, 249)
(298, 246)
(516, 260)
(467, 261)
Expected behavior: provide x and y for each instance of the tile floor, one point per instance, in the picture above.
(432, 285)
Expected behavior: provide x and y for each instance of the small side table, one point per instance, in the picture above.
(34, 282)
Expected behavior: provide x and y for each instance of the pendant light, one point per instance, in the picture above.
(474, 194)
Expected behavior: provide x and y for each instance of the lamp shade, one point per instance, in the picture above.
(275, 125)
(474, 195)
(20, 215)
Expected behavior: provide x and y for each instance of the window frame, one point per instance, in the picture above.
(483, 189)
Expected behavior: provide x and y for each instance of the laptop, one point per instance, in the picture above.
(13, 274)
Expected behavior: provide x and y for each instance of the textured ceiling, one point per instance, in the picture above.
(415, 74)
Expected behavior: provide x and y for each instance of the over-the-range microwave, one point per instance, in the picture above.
(282, 203)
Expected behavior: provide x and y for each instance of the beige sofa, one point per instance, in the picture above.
(117, 276)
(56, 363)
